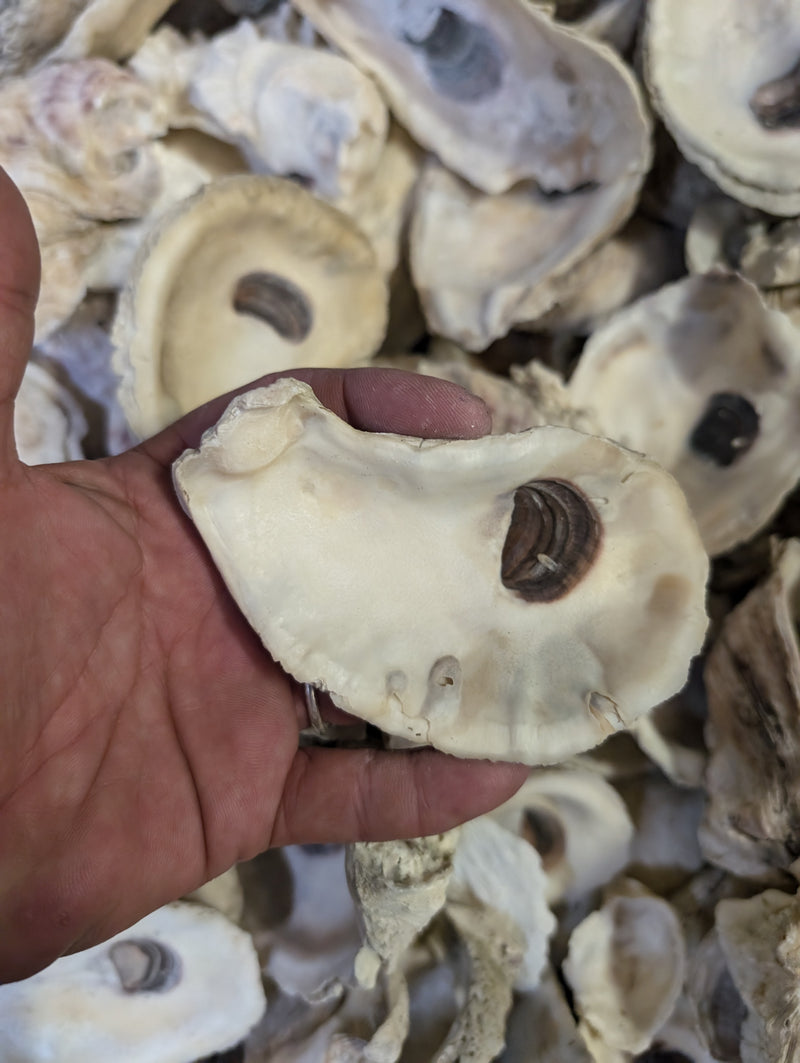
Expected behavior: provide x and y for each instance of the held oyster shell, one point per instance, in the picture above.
(412, 579)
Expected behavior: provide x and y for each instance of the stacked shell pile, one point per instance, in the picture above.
(588, 213)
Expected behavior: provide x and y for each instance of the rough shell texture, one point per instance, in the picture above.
(456, 77)
(29, 30)
(399, 886)
(752, 825)
(415, 535)
(180, 984)
(703, 378)
(710, 68)
(257, 268)
(503, 872)
(760, 937)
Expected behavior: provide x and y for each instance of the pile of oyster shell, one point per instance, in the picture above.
(588, 213)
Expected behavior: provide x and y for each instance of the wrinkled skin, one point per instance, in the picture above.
(148, 741)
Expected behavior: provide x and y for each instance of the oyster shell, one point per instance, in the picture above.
(752, 825)
(614, 21)
(703, 378)
(506, 652)
(77, 139)
(29, 30)
(625, 966)
(455, 76)
(399, 887)
(180, 984)
(255, 267)
(499, 869)
(578, 824)
(759, 937)
(482, 264)
(736, 119)
(290, 110)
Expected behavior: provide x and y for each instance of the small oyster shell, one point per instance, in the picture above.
(77, 139)
(455, 76)
(180, 984)
(578, 824)
(625, 966)
(494, 648)
(703, 378)
(253, 266)
(716, 107)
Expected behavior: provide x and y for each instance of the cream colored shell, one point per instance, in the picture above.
(77, 1009)
(703, 64)
(370, 566)
(178, 336)
(654, 373)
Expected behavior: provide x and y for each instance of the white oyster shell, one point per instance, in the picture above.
(578, 824)
(482, 263)
(179, 337)
(704, 63)
(206, 995)
(376, 575)
(289, 109)
(503, 872)
(678, 373)
(498, 90)
(625, 966)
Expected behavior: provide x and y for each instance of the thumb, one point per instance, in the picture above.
(19, 288)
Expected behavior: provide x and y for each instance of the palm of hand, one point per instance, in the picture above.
(149, 741)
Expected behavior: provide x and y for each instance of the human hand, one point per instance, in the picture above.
(147, 740)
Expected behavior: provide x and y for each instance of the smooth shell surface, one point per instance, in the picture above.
(705, 379)
(180, 984)
(250, 275)
(371, 564)
(707, 66)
